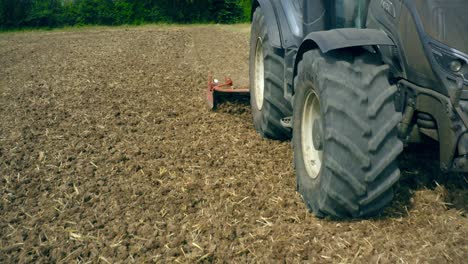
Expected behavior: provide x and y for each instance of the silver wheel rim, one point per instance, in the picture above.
(259, 74)
(312, 157)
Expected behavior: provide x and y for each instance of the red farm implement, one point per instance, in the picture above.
(217, 90)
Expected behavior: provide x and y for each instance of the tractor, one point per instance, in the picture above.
(353, 82)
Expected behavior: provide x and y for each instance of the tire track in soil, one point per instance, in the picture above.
(108, 153)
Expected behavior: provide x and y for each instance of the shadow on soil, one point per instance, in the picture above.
(235, 105)
(419, 165)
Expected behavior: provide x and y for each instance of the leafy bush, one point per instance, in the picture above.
(55, 13)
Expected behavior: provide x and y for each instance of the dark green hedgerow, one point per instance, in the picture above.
(15, 14)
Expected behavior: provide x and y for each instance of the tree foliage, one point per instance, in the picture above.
(55, 13)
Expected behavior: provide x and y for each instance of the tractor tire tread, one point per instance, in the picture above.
(361, 167)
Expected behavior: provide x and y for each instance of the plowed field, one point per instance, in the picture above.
(109, 154)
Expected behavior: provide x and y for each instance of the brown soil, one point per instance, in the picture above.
(108, 153)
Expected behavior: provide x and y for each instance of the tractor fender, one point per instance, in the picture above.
(270, 20)
(347, 37)
(342, 38)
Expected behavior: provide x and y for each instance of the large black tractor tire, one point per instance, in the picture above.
(266, 83)
(356, 132)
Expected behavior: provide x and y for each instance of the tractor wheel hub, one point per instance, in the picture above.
(317, 135)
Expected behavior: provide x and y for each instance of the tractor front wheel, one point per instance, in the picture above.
(345, 133)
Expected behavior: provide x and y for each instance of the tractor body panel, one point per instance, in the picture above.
(429, 36)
